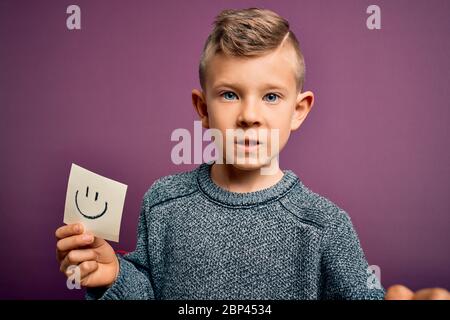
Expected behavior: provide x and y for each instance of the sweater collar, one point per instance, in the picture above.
(248, 199)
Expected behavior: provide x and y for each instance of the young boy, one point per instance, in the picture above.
(225, 230)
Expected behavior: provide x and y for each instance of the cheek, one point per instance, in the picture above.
(283, 124)
(284, 136)
(218, 123)
(221, 118)
(281, 121)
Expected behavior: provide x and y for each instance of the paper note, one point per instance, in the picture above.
(95, 201)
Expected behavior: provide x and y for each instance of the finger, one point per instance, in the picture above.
(75, 257)
(69, 230)
(82, 270)
(432, 294)
(98, 242)
(74, 242)
(86, 269)
(60, 255)
(399, 292)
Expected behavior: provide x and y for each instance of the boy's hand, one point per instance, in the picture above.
(94, 256)
(399, 292)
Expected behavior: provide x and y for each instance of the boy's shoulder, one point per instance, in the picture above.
(304, 203)
(171, 187)
(313, 207)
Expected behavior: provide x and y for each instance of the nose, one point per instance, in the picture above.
(249, 114)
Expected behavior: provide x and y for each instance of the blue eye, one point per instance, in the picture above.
(229, 95)
(271, 97)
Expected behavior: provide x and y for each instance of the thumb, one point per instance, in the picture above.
(399, 292)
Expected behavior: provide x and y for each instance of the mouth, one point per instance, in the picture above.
(248, 144)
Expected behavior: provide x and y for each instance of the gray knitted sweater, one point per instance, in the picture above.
(199, 241)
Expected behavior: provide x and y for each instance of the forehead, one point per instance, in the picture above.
(277, 67)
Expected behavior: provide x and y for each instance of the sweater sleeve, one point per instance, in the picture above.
(133, 281)
(345, 271)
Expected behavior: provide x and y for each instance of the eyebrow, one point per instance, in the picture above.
(268, 86)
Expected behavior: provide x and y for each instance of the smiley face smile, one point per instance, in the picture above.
(89, 216)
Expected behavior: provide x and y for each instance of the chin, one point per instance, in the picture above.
(247, 164)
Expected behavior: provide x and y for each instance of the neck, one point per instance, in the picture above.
(234, 179)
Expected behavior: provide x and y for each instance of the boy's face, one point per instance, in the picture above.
(258, 93)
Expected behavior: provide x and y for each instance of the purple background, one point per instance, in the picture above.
(108, 97)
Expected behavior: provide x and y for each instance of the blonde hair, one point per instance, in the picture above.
(248, 33)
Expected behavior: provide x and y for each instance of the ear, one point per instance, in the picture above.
(199, 102)
(303, 105)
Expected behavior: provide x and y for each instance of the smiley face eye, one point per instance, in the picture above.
(87, 194)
